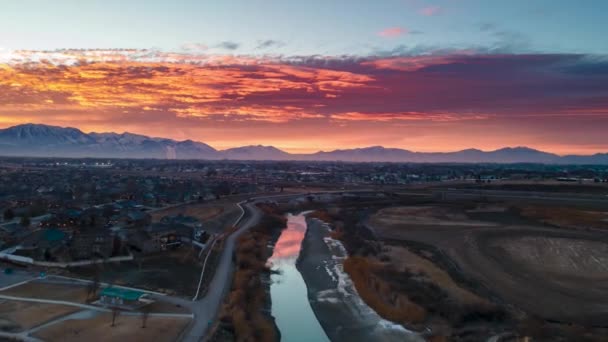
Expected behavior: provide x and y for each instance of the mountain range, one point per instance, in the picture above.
(35, 140)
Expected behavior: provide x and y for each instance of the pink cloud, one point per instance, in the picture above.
(431, 10)
(393, 32)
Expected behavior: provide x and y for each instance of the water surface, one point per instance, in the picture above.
(290, 306)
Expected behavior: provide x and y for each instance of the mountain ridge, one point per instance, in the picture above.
(37, 140)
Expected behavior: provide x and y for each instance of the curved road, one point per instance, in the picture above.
(206, 309)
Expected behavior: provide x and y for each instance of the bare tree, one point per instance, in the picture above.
(115, 313)
(145, 313)
(94, 285)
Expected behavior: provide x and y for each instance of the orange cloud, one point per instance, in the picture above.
(410, 63)
(405, 116)
(299, 101)
(392, 32)
(431, 10)
(225, 86)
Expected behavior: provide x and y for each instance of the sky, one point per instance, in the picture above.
(304, 76)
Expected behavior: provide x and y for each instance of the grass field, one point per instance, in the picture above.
(202, 211)
(175, 272)
(19, 316)
(35, 289)
(127, 328)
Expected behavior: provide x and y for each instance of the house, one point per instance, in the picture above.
(46, 244)
(67, 220)
(188, 221)
(167, 236)
(13, 230)
(123, 298)
(136, 218)
(159, 237)
(141, 241)
(92, 243)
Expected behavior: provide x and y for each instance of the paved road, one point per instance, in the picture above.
(206, 309)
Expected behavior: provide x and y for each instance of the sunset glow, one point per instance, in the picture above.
(434, 99)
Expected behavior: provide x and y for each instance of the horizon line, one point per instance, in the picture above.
(309, 153)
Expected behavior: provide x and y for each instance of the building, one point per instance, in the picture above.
(136, 218)
(124, 298)
(166, 236)
(92, 243)
(159, 237)
(189, 221)
(46, 244)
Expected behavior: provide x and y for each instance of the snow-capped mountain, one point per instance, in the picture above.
(257, 152)
(51, 141)
(42, 140)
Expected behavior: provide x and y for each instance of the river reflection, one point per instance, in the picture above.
(290, 305)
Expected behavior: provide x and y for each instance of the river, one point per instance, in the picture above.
(290, 306)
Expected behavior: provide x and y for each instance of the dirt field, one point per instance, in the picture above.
(164, 307)
(128, 328)
(567, 217)
(35, 289)
(558, 274)
(390, 222)
(19, 316)
(558, 257)
(416, 264)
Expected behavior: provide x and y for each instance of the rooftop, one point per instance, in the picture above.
(121, 293)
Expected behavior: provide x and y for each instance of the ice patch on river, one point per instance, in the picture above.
(346, 292)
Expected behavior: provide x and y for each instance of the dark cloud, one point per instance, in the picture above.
(418, 50)
(486, 27)
(265, 44)
(592, 66)
(228, 45)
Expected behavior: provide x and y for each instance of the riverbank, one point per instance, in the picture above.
(332, 295)
(246, 314)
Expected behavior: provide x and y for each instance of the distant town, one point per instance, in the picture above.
(134, 240)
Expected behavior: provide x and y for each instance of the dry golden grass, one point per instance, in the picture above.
(394, 221)
(438, 338)
(378, 294)
(243, 309)
(127, 328)
(567, 217)
(28, 315)
(322, 215)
